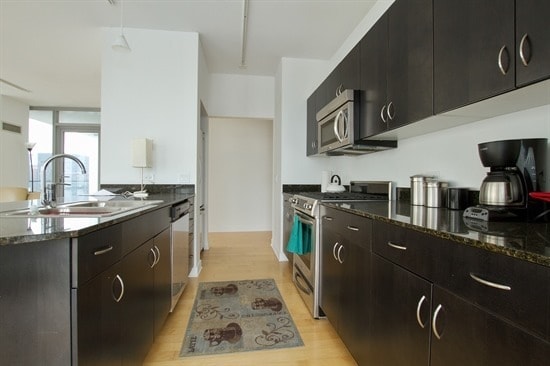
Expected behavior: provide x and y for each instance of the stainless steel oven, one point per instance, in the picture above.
(306, 267)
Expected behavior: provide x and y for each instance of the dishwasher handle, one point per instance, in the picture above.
(179, 210)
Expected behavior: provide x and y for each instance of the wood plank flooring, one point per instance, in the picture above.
(236, 256)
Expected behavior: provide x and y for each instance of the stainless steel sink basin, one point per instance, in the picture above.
(82, 209)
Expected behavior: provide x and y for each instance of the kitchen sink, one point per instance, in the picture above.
(82, 209)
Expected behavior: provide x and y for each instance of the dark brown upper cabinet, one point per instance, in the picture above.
(532, 41)
(473, 51)
(396, 68)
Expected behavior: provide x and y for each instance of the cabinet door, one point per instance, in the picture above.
(311, 128)
(473, 51)
(401, 304)
(410, 62)
(354, 322)
(163, 279)
(138, 304)
(348, 71)
(98, 318)
(373, 64)
(467, 335)
(532, 41)
(331, 273)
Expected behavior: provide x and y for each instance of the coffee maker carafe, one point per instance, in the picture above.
(516, 169)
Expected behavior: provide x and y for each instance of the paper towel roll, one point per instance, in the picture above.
(325, 179)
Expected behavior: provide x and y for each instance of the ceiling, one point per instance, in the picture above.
(53, 47)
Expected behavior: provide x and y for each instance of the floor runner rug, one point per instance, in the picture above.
(239, 316)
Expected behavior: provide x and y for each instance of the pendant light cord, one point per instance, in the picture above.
(121, 12)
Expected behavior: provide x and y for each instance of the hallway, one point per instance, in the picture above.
(235, 256)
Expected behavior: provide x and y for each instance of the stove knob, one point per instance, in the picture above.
(293, 200)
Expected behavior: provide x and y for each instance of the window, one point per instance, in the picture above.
(66, 131)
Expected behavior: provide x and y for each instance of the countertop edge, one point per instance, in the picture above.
(86, 229)
(510, 252)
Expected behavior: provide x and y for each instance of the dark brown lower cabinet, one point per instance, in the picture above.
(138, 304)
(163, 280)
(98, 319)
(120, 311)
(401, 303)
(345, 261)
(415, 322)
(464, 334)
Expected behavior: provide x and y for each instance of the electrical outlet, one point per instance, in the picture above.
(149, 178)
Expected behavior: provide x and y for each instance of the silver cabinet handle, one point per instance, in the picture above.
(383, 114)
(391, 114)
(396, 246)
(121, 295)
(418, 308)
(154, 257)
(489, 283)
(339, 89)
(338, 254)
(104, 250)
(328, 218)
(158, 254)
(524, 39)
(353, 228)
(500, 65)
(434, 321)
(334, 250)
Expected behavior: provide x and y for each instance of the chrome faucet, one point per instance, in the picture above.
(48, 190)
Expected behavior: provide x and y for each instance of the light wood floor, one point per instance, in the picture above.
(236, 256)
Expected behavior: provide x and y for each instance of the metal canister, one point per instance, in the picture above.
(418, 190)
(436, 193)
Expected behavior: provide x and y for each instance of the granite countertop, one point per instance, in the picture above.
(526, 241)
(15, 230)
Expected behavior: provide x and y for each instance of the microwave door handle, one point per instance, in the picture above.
(336, 125)
(345, 124)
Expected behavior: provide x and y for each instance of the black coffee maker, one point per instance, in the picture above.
(517, 167)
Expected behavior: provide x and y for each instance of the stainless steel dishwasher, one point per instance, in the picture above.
(179, 249)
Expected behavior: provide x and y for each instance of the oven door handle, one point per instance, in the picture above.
(299, 283)
(304, 219)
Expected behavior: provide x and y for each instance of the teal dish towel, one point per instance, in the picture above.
(300, 238)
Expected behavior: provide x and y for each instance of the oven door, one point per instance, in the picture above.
(307, 262)
(304, 272)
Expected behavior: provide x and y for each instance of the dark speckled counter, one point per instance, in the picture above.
(526, 241)
(15, 230)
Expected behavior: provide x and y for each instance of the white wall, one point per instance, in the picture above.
(150, 92)
(240, 174)
(14, 158)
(240, 96)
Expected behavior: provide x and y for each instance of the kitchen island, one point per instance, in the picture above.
(84, 290)
(433, 285)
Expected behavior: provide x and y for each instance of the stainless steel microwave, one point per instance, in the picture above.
(338, 127)
(336, 121)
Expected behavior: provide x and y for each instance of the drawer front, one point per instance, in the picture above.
(353, 228)
(407, 248)
(95, 252)
(511, 288)
(142, 228)
(357, 230)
